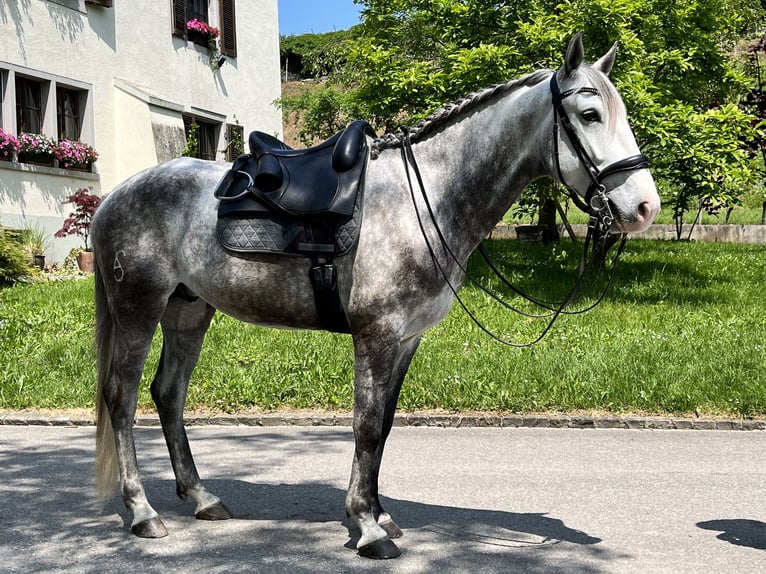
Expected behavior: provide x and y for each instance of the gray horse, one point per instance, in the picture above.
(159, 263)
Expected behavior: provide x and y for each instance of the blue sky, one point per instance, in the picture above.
(316, 16)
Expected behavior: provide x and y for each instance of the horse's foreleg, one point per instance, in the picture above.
(406, 352)
(184, 325)
(379, 372)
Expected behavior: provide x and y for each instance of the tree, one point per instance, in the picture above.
(675, 71)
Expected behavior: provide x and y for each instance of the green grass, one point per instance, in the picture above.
(682, 331)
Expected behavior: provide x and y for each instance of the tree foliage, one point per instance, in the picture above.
(678, 71)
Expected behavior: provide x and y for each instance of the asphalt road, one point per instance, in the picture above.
(475, 500)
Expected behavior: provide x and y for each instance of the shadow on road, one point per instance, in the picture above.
(739, 531)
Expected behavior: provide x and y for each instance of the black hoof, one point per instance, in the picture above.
(382, 549)
(391, 528)
(217, 511)
(152, 528)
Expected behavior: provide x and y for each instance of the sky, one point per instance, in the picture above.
(316, 16)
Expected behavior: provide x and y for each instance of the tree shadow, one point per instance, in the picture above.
(738, 531)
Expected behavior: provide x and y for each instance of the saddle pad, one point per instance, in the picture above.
(271, 234)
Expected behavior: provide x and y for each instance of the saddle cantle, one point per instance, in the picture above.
(301, 202)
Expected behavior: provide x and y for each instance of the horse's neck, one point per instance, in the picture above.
(475, 168)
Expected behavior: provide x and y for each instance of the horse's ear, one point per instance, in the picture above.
(575, 54)
(606, 62)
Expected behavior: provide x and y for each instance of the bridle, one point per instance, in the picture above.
(596, 200)
(596, 204)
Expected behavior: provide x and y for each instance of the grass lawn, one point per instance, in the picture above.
(682, 331)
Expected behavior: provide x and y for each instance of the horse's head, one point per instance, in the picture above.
(595, 151)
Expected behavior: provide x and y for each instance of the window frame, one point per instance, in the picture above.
(80, 99)
(10, 73)
(208, 142)
(24, 107)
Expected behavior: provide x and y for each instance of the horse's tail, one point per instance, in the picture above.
(106, 452)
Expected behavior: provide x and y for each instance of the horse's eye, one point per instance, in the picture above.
(591, 116)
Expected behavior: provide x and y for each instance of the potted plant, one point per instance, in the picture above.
(35, 243)
(9, 145)
(75, 155)
(36, 148)
(78, 223)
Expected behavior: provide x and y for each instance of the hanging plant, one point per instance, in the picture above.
(208, 33)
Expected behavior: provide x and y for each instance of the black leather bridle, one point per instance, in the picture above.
(596, 199)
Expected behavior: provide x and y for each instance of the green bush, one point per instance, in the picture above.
(13, 261)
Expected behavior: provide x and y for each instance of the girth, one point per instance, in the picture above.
(300, 202)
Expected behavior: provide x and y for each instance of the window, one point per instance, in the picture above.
(185, 10)
(201, 137)
(68, 113)
(29, 110)
(37, 102)
(197, 9)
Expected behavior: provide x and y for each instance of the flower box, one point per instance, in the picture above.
(36, 158)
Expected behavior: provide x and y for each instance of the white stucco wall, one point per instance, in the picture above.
(139, 75)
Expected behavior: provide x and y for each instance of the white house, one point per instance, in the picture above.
(129, 78)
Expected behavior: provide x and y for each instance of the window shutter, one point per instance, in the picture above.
(235, 135)
(179, 18)
(228, 29)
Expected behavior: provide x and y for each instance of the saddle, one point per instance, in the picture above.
(301, 202)
(321, 182)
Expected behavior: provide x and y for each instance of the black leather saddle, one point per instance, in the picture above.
(302, 202)
(321, 182)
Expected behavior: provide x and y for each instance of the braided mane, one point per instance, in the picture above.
(446, 114)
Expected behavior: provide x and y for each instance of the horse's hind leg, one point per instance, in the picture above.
(124, 346)
(184, 325)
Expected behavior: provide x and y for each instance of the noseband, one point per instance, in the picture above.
(596, 200)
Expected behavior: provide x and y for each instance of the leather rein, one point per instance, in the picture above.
(596, 204)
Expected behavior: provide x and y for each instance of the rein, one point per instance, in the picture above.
(596, 204)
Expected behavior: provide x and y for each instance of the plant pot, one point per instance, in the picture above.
(199, 38)
(85, 261)
(45, 159)
(39, 261)
(530, 233)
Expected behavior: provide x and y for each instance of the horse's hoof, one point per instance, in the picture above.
(217, 511)
(391, 528)
(382, 549)
(152, 528)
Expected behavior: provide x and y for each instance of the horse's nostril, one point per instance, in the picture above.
(644, 211)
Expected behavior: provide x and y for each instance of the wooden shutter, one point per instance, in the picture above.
(235, 135)
(179, 18)
(228, 41)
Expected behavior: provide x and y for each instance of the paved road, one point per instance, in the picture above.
(472, 500)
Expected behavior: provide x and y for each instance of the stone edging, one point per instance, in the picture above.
(414, 420)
